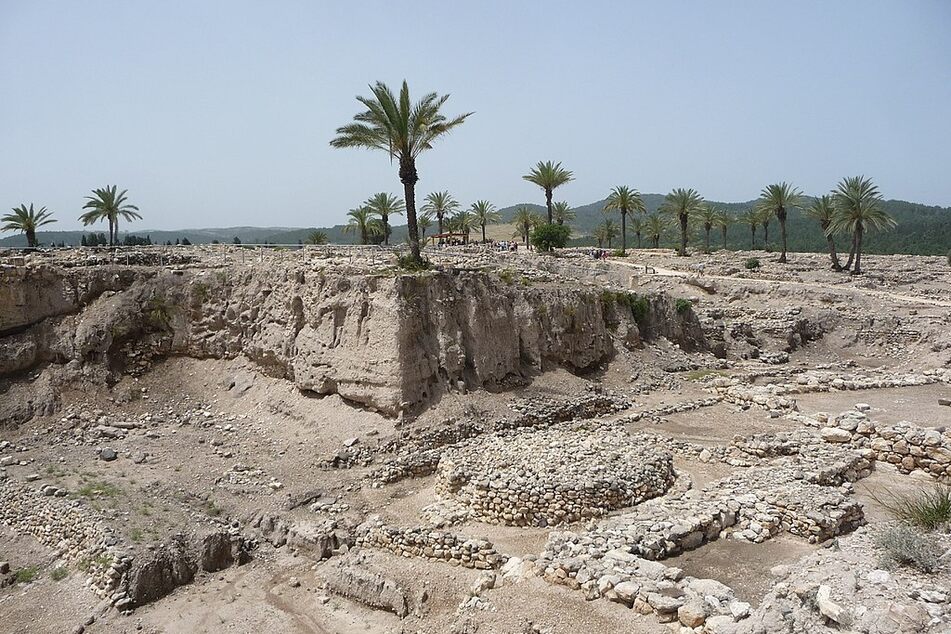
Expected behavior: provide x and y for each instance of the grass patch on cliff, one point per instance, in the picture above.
(929, 509)
(639, 305)
(97, 489)
(26, 575)
(59, 574)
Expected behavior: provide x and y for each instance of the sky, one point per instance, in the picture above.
(219, 114)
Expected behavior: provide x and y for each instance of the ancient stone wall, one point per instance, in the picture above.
(429, 544)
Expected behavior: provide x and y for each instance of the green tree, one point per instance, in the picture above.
(624, 200)
(777, 199)
(764, 217)
(752, 219)
(655, 227)
(723, 220)
(442, 205)
(424, 221)
(109, 204)
(525, 219)
(383, 205)
(606, 232)
(27, 220)
(462, 222)
(362, 223)
(682, 204)
(548, 237)
(403, 130)
(822, 210)
(484, 213)
(858, 208)
(706, 216)
(562, 213)
(549, 176)
(637, 226)
(317, 237)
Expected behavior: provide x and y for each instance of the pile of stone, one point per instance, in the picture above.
(904, 445)
(551, 476)
(430, 544)
(656, 414)
(540, 412)
(77, 536)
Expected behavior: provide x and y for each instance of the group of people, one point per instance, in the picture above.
(599, 254)
(506, 245)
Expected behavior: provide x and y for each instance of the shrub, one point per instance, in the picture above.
(59, 574)
(409, 263)
(618, 253)
(549, 237)
(683, 306)
(905, 546)
(751, 264)
(927, 509)
(507, 276)
(26, 575)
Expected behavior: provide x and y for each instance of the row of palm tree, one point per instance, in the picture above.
(106, 203)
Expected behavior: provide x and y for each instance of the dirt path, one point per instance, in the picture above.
(898, 297)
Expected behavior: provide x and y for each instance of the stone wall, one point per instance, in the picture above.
(904, 445)
(430, 544)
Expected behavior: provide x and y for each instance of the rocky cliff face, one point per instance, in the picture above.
(387, 341)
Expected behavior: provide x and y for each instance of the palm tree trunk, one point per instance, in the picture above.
(623, 231)
(30, 238)
(848, 264)
(409, 177)
(765, 236)
(752, 237)
(706, 238)
(483, 233)
(723, 229)
(110, 232)
(638, 234)
(832, 254)
(782, 233)
(858, 250)
(439, 220)
(683, 234)
(548, 203)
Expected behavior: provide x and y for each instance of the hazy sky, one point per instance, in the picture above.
(220, 113)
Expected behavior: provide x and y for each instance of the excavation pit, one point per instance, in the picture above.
(552, 476)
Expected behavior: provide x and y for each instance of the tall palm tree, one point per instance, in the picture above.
(27, 220)
(706, 215)
(549, 176)
(424, 221)
(525, 219)
(637, 226)
(822, 210)
(858, 208)
(625, 200)
(562, 213)
(403, 130)
(108, 203)
(362, 222)
(778, 199)
(682, 203)
(723, 221)
(484, 213)
(656, 224)
(750, 218)
(441, 204)
(383, 205)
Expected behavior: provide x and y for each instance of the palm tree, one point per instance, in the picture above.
(624, 200)
(27, 220)
(109, 204)
(637, 225)
(484, 213)
(363, 223)
(822, 210)
(682, 203)
(525, 219)
(751, 218)
(383, 205)
(723, 221)
(764, 218)
(706, 215)
(424, 221)
(549, 175)
(317, 237)
(858, 208)
(656, 224)
(403, 130)
(462, 222)
(778, 199)
(562, 213)
(609, 229)
(442, 204)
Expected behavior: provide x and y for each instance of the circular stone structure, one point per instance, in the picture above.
(552, 476)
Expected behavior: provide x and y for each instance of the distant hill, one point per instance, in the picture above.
(921, 230)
